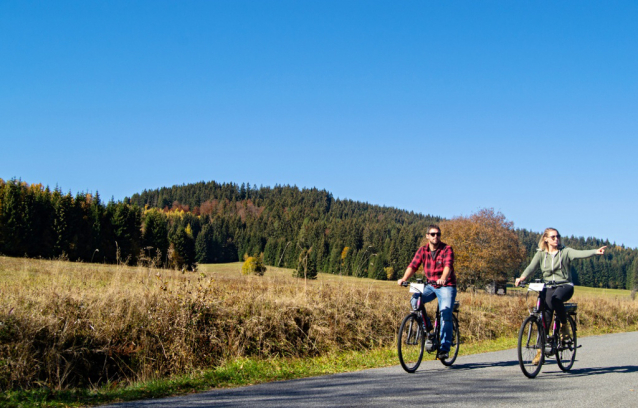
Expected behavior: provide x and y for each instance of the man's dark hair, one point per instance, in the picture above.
(433, 226)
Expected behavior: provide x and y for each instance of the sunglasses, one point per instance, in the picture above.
(554, 236)
(434, 234)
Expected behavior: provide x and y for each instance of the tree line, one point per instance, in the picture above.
(211, 222)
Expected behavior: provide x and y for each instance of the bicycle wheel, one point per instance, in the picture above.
(566, 350)
(410, 343)
(454, 347)
(531, 343)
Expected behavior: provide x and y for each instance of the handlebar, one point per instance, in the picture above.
(406, 284)
(547, 285)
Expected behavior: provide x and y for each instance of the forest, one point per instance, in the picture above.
(208, 222)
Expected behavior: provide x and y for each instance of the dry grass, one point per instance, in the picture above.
(70, 324)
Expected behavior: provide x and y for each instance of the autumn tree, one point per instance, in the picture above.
(253, 265)
(486, 248)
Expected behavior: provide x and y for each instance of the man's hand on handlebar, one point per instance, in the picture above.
(400, 282)
(518, 281)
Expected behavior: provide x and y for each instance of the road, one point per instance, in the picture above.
(605, 374)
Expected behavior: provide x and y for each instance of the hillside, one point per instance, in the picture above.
(209, 222)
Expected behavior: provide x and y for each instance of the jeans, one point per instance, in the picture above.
(446, 296)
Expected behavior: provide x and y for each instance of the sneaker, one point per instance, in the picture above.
(443, 355)
(537, 359)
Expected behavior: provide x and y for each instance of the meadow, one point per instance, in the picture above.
(69, 326)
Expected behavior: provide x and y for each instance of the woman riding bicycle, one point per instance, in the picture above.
(554, 260)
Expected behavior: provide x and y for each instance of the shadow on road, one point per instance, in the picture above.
(582, 372)
(474, 366)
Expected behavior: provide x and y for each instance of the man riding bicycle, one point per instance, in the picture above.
(438, 266)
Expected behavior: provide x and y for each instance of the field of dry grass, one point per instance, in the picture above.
(79, 325)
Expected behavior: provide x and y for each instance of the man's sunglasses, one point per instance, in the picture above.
(434, 234)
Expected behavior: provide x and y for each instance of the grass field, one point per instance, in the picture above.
(81, 334)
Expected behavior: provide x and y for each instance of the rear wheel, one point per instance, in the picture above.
(454, 347)
(531, 343)
(410, 343)
(566, 350)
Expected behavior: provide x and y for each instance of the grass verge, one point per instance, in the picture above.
(236, 373)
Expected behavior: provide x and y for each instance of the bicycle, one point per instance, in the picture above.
(534, 341)
(416, 333)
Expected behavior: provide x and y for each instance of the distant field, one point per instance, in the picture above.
(80, 325)
(584, 291)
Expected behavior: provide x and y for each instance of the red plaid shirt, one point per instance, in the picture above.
(433, 268)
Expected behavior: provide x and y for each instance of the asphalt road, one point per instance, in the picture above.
(605, 374)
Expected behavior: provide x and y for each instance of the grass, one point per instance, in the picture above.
(236, 373)
(75, 334)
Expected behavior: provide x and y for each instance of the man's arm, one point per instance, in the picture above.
(407, 275)
(414, 265)
(448, 261)
(444, 275)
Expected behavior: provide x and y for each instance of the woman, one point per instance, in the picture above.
(554, 260)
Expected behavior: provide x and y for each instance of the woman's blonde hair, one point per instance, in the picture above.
(542, 245)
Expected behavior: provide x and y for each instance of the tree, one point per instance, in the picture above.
(203, 245)
(155, 235)
(306, 265)
(486, 248)
(253, 265)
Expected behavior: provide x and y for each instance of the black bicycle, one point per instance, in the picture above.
(536, 340)
(416, 333)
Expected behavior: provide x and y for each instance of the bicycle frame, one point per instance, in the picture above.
(539, 335)
(541, 309)
(420, 310)
(416, 327)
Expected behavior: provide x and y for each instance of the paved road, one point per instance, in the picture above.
(605, 374)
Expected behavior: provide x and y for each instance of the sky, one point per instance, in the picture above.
(441, 108)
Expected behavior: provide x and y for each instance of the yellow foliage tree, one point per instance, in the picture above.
(253, 265)
(486, 248)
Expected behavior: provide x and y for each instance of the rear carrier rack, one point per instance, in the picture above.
(571, 308)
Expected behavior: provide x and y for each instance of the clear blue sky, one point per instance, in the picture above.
(438, 107)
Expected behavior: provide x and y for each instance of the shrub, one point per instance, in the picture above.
(389, 272)
(253, 265)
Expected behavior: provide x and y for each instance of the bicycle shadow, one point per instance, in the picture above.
(475, 366)
(586, 372)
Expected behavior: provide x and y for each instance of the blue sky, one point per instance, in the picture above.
(443, 108)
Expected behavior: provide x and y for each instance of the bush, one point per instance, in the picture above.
(389, 272)
(253, 265)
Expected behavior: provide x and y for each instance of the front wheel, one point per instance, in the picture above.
(410, 343)
(566, 350)
(454, 347)
(531, 343)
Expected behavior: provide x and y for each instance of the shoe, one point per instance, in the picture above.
(443, 355)
(537, 359)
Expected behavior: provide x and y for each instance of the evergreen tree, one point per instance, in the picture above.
(155, 236)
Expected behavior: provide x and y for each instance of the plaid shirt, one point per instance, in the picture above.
(433, 268)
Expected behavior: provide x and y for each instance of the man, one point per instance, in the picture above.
(438, 267)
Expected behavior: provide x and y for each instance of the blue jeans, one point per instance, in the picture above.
(446, 296)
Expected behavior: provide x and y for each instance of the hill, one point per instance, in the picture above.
(209, 222)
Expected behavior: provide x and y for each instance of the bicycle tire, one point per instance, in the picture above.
(531, 346)
(566, 351)
(410, 343)
(454, 347)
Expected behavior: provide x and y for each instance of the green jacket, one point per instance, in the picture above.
(556, 268)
